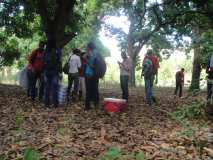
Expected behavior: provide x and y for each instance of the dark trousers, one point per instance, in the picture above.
(124, 86)
(73, 77)
(209, 90)
(33, 77)
(92, 93)
(178, 88)
(51, 80)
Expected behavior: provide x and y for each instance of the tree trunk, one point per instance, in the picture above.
(131, 54)
(55, 25)
(132, 74)
(195, 82)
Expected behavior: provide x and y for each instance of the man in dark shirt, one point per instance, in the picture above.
(179, 81)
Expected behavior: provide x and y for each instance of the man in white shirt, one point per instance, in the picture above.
(74, 66)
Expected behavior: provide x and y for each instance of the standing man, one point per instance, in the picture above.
(52, 71)
(179, 76)
(125, 66)
(209, 71)
(148, 72)
(95, 68)
(35, 71)
(74, 66)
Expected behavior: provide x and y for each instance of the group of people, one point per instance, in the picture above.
(84, 70)
(45, 69)
(150, 68)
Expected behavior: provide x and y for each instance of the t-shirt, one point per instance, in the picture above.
(74, 63)
(180, 76)
(36, 60)
(125, 67)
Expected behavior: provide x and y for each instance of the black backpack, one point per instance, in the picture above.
(100, 66)
(51, 60)
(66, 66)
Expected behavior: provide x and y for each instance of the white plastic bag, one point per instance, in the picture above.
(22, 78)
(62, 94)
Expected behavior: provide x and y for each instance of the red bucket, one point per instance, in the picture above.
(113, 105)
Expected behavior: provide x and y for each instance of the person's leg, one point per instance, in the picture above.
(76, 85)
(33, 87)
(88, 94)
(209, 90)
(83, 88)
(69, 85)
(176, 88)
(122, 85)
(126, 90)
(147, 90)
(29, 84)
(96, 91)
(180, 89)
(54, 88)
(41, 86)
(152, 78)
(47, 87)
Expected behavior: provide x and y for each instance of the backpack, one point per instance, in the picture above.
(148, 68)
(100, 66)
(155, 64)
(52, 60)
(66, 66)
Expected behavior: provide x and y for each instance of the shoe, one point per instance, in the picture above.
(154, 100)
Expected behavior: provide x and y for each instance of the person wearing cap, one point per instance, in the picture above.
(125, 67)
(73, 76)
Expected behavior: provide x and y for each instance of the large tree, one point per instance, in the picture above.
(58, 18)
(150, 24)
(196, 20)
(64, 20)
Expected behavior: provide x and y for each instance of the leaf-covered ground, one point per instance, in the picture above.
(68, 133)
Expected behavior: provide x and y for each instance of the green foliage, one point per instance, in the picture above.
(140, 156)
(19, 119)
(115, 153)
(9, 49)
(112, 154)
(183, 115)
(31, 154)
(190, 111)
(2, 157)
(206, 47)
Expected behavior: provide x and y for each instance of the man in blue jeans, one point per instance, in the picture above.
(149, 76)
(52, 70)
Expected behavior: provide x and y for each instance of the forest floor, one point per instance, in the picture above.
(160, 132)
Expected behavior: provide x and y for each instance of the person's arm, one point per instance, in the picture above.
(79, 63)
(183, 78)
(207, 67)
(156, 77)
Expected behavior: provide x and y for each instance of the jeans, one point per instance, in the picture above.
(148, 89)
(92, 93)
(73, 77)
(178, 88)
(209, 90)
(32, 79)
(51, 79)
(124, 86)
